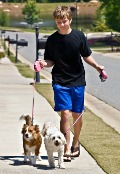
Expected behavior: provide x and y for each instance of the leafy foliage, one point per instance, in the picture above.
(4, 19)
(100, 22)
(31, 12)
(86, 0)
(49, 1)
(112, 13)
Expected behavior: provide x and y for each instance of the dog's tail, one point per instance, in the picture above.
(27, 118)
(43, 131)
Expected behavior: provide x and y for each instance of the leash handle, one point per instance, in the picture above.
(37, 66)
(103, 76)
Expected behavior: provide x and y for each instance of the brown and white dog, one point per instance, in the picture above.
(32, 140)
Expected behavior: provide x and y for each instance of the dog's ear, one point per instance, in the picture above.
(37, 128)
(23, 129)
(27, 118)
(43, 131)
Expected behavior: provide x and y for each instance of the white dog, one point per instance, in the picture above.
(54, 142)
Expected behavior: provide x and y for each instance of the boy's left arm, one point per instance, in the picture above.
(89, 60)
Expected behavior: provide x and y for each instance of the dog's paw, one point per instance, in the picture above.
(25, 159)
(52, 165)
(39, 158)
(33, 160)
(62, 166)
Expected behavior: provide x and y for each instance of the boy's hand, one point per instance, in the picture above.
(42, 63)
(100, 68)
(39, 64)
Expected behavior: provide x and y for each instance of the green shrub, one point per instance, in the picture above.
(2, 55)
(4, 19)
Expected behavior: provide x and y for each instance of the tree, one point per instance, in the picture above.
(31, 12)
(4, 19)
(112, 13)
(100, 22)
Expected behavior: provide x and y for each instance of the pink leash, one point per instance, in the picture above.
(37, 68)
(73, 124)
(33, 101)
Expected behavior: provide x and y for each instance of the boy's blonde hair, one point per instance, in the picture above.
(62, 12)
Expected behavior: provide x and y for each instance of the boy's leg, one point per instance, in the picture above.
(77, 128)
(64, 126)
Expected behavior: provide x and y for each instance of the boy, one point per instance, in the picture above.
(63, 51)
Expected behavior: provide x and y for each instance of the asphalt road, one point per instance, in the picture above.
(108, 91)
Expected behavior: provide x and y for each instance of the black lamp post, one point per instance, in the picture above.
(37, 50)
(16, 57)
(8, 46)
(112, 42)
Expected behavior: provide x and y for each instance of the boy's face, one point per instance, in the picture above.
(63, 24)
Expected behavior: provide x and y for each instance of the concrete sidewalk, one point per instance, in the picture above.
(16, 97)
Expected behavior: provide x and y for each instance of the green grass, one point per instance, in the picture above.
(50, 6)
(102, 142)
(101, 51)
(25, 70)
(46, 91)
(49, 30)
(98, 138)
(2, 55)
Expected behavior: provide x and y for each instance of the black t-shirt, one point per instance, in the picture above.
(66, 51)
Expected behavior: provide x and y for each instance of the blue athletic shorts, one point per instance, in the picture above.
(69, 98)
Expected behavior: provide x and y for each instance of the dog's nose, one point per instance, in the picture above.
(26, 135)
(56, 143)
